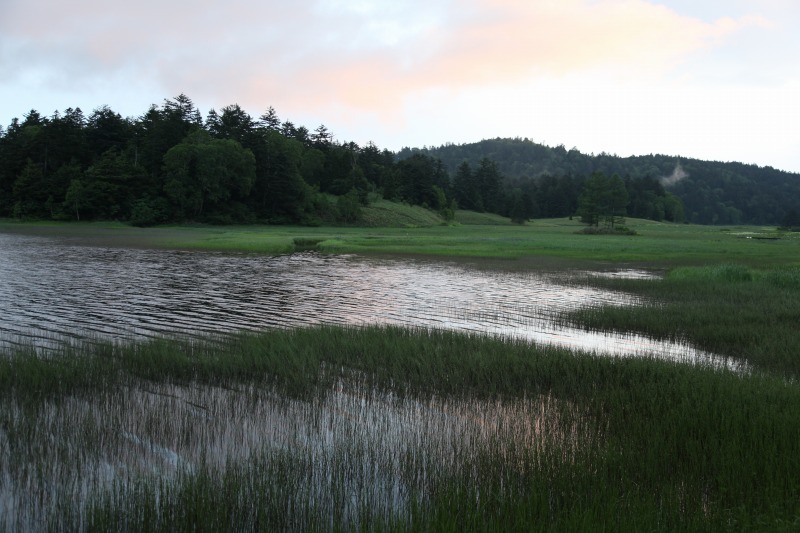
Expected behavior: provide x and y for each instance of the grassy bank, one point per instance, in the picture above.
(747, 313)
(381, 428)
(656, 243)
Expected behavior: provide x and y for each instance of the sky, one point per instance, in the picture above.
(708, 79)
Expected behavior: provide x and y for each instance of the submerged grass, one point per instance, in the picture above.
(384, 428)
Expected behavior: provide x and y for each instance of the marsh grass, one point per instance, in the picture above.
(305, 243)
(388, 429)
(731, 309)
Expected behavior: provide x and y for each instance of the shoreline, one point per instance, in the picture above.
(555, 241)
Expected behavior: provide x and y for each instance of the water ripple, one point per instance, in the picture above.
(52, 290)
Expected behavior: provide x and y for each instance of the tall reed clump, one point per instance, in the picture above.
(731, 310)
(386, 428)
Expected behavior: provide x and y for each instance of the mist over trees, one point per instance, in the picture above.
(173, 165)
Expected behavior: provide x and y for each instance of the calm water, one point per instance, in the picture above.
(50, 290)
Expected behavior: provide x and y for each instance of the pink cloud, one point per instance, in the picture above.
(311, 54)
(497, 42)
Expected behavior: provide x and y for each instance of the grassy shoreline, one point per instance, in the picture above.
(656, 243)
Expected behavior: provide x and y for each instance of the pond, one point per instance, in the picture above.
(54, 290)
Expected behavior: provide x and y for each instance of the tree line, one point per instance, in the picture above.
(173, 165)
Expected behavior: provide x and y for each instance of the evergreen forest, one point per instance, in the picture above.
(660, 187)
(171, 164)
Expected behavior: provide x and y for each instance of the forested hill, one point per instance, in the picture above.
(712, 192)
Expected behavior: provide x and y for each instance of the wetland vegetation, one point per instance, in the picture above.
(387, 428)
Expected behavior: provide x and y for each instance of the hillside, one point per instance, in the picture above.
(712, 192)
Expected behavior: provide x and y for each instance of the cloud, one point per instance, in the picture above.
(186, 44)
(498, 42)
(361, 54)
(519, 37)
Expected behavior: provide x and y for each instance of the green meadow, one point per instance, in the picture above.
(344, 429)
(478, 236)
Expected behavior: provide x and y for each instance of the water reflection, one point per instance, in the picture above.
(351, 449)
(53, 290)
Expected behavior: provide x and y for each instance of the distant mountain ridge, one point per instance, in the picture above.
(712, 192)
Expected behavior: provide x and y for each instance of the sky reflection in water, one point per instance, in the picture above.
(53, 290)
